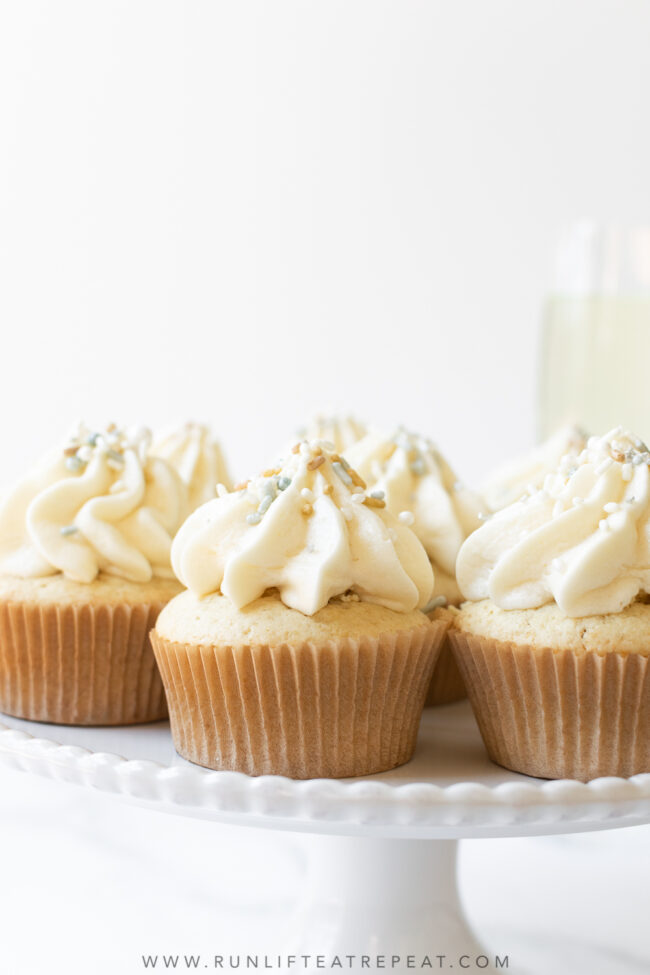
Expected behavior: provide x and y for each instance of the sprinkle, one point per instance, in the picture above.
(111, 427)
(92, 439)
(69, 530)
(315, 462)
(307, 509)
(356, 478)
(378, 494)
(342, 473)
(222, 491)
(271, 472)
(328, 489)
(241, 486)
(435, 603)
(358, 497)
(610, 507)
(254, 518)
(74, 463)
(70, 451)
(374, 502)
(283, 483)
(295, 449)
(406, 517)
(639, 459)
(85, 453)
(307, 494)
(265, 504)
(418, 467)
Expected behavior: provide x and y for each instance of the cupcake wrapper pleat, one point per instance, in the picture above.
(447, 684)
(80, 665)
(343, 708)
(556, 713)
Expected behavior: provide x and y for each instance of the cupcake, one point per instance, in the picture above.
(299, 648)
(197, 457)
(554, 646)
(339, 431)
(510, 481)
(420, 488)
(85, 569)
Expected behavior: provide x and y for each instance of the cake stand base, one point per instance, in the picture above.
(385, 897)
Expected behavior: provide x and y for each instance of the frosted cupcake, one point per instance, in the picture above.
(193, 452)
(85, 569)
(420, 488)
(554, 649)
(514, 479)
(299, 648)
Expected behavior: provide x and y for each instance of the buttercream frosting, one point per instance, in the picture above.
(582, 540)
(309, 529)
(194, 453)
(99, 503)
(511, 480)
(421, 489)
(340, 431)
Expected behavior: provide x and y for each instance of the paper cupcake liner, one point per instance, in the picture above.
(555, 713)
(447, 684)
(80, 664)
(342, 708)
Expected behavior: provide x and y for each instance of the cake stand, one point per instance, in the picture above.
(383, 876)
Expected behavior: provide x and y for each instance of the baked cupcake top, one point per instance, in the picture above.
(513, 479)
(99, 503)
(582, 540)
(308, 528)
(421, 489)
(193, 452)
(339, 431)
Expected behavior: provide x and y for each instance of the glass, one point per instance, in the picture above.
(595, 363)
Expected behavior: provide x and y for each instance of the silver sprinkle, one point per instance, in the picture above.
(69, 530)
(254, 518)
(342, 473)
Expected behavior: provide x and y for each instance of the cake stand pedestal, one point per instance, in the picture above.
(383, 873)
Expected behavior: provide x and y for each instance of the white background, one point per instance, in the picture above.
(246, 212)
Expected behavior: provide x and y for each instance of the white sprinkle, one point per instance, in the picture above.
(307, 494)
(358, 497)
(342, 473)
(265, 504)
(610, 507)
(69, 530)
(73, 463)
(283, 483)
(406, 517)
(85, 453)
(254, 518)
(222, 490)
(380, 495)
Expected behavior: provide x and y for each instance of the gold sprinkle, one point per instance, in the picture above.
(335, 458)
(328, 489)
(357, 479)
(315, 462)
(318, 451)
(295, 448)
(241, 485)
(70, 451)
(617, 455)
(307, 509)
(271, 472)
(111, 427)
(374, 502)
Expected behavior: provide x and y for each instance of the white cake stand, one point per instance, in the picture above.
(378, 884)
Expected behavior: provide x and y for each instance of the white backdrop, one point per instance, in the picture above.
(250, 211)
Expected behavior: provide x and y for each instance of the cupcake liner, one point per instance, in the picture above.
(341, 708)
(83, 664)
(556, 713)
(447, 684)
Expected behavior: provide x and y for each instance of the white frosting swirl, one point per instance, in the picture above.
(99, 504)
(416, 480)
(197, 457)
(340, 431)
(308, 529)
(513, 479)
(583, 540)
